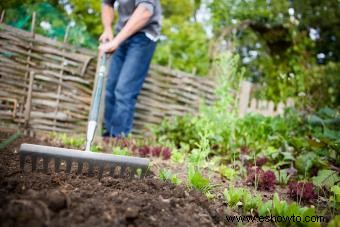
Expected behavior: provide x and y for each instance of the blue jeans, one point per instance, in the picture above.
(128, 68)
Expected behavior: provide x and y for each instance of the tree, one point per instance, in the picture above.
(273, 39)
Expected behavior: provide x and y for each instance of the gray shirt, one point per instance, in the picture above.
(152, 28)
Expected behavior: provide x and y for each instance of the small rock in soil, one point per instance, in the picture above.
(131, 212)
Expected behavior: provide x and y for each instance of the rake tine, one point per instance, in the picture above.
(56, 164)
(34, 162)
(101, 170)
(22, 161)
(122, 170)
(91, 160)
(144, 171)
(68, 166)
(45, 164)
(112, 171)
(80, 167)
(90, 171)
(132, 172)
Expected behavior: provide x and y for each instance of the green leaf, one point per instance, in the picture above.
(334, 222)
(233, 195)
(305, 162)
(265, 208)
(288, 156)
(326, 178)
(279, 207)
(227, 172)
(175, 180)
(165, 174)
(335, 197)
(199, 182)
(121, 151)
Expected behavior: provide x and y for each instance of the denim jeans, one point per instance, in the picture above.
(128, 68)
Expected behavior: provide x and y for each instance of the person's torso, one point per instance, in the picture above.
(126, 9)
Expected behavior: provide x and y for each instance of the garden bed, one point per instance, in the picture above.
(57, 199)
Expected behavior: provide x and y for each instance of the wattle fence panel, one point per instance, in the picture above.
(47, 85)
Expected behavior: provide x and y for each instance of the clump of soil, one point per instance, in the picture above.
(59, 199)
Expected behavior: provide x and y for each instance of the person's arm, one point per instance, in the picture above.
(107, 19)
(138, 19)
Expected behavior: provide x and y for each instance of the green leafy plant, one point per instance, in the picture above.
(234, 196)
(335, 197)
(283, 176)
(177, 156)
(326, 178)
(76, 142)
(166, 175)
(265, 208)
(250, 202)
(334, 222)
(199, 182)
(96, 148)
(227, 172)
(242, 197)
(121, 151)
(282, 208)
(305, 162)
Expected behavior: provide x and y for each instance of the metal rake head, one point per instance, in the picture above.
(114, 164)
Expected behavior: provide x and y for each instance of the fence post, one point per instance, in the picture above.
(28, 105)
(244, 98)
(2, 18)
(28, 75)
(61, 74)
(270, 110)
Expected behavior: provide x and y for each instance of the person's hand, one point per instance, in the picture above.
(106, 36)
(108, 47)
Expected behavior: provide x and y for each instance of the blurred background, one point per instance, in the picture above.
(288, 47)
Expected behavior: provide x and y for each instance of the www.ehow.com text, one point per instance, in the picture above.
(273, 218)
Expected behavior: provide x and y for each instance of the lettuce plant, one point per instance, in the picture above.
(265, 180)
(302, 191)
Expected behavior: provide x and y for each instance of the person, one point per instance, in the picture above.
(132, 48)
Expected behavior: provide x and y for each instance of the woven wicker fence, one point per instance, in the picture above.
(47, 85)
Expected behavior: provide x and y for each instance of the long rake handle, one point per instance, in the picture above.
(98, 90)
(94, 112)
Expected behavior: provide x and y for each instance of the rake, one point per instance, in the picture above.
(117, 164)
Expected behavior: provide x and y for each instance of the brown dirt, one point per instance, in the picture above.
(59, 199)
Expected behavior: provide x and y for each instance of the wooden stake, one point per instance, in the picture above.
(28, 105)
(244, 97)
(2, 18)
(28, 71)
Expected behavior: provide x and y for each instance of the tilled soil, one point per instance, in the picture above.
(59, 199)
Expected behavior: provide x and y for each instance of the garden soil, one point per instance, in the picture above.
(59, 199)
